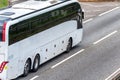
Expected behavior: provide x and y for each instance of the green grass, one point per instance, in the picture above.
(3, 3)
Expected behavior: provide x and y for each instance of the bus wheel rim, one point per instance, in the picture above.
(26, 68)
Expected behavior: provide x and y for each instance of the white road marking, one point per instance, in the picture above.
(88, 20)
(105, 37)
(113, 75)
(93, 5)
(34, 78)
(108, 11)
(67, 58)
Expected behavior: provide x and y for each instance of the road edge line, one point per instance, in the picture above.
(87, 20)
(109, 11)
(105, 37)
(34, 77)
(67, 58)
(113, 74)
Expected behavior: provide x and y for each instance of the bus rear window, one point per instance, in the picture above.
(2, 21)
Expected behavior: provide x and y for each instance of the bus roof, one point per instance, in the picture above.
(28, 7)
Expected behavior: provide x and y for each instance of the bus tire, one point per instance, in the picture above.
(69, 46)
(27, 68)
(36, 63)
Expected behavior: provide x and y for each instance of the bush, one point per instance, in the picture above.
(3, 3)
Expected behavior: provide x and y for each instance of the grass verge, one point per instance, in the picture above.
(3, 3)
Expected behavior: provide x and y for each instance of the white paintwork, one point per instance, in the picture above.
(40, 43)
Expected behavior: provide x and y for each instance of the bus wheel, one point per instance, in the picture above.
(36, 63)
(26, 68)
(69, 46)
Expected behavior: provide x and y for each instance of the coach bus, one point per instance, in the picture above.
(34, 32)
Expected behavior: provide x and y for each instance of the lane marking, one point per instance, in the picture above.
(67, 58)
(108, 11)
(105, 37)
(34, 78)
(93, 5)
(88, 20)
(113, 75)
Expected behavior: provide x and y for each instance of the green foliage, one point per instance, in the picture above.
(3, 3)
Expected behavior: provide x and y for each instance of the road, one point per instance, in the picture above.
(93, 9)
(96, 58)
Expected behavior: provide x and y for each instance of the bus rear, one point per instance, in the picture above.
(3, 48)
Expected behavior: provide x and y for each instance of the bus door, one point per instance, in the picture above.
(13, 57)
(14, 60)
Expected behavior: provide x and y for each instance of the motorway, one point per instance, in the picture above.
(96, 58)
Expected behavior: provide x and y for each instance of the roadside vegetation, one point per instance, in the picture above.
(3, 3)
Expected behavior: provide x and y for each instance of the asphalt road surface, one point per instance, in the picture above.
(93, 9)
(96, 58)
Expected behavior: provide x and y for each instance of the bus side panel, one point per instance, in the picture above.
(53, 48)
(78, 38)
(57, 38)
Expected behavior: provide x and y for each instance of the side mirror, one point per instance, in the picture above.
(83, 14)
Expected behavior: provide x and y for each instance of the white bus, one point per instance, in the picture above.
(33, 32)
